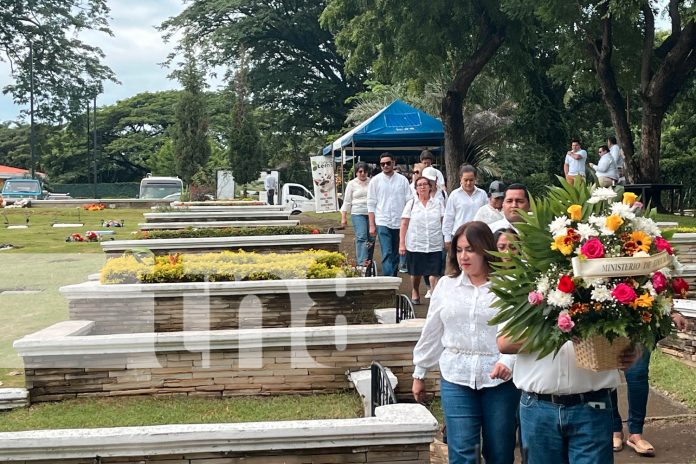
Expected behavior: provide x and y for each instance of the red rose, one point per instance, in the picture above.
(565, 284)
(680, 287)
(624, 294)
(592, 249)
(663, 245)
(659, 282)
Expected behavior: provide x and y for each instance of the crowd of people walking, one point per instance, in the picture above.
(489, 391)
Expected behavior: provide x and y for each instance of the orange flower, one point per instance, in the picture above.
(642, 240)
(646, 317)
(563, 243)
(643, 301)
(579, 308)
(613, 222)
(575, 212)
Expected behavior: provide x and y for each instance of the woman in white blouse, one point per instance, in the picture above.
(477, 394)
(420, 236)
(355, 203)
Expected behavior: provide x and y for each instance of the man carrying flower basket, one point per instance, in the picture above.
(592, 284)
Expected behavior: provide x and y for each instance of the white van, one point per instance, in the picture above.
(297, 198)
(160, 188)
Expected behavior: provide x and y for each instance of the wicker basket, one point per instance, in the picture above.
(599, 354)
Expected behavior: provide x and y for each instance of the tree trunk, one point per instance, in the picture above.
(453, 122)
(650, 135)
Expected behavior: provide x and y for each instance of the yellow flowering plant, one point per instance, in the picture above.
(591, 262)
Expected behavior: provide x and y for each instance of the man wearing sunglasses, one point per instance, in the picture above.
(387, 194)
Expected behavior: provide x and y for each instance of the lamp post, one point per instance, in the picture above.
(32, 138)
(94, 153)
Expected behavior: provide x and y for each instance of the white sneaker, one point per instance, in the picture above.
(428, 294)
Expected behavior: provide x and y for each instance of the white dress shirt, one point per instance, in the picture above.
(386, 197)
(488, 214)
(615, 152)
(355, 198)
(559, 375)
(424, 233)
(456, 335)
(576, 167)
(606, 167)
(461, 208)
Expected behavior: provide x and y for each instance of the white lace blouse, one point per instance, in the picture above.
(457, 335)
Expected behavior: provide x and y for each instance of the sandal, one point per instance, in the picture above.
(617, 443)
(415, 301)
(642, 447)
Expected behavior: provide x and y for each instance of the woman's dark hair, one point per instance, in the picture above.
(467, 168)
(480, 239)
(361, 165)
(508, 231)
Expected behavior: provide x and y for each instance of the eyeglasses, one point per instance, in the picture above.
(387, 163)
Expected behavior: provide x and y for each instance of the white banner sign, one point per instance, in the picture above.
(324, 183)
(619, 267)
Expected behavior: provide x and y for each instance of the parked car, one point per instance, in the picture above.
(164, 188)
(17, 188)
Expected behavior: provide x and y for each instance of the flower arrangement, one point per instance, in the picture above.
(588, 265)
(139, 266)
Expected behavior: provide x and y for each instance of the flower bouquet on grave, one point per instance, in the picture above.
(590, 269)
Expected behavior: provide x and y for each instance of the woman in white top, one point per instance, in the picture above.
(477, 394)
(420, 236)
(355, 202)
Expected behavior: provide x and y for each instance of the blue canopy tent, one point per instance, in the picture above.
(398, 128)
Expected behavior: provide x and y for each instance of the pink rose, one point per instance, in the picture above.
(636, 206)
(623, 294)
(592, 249)
(663, 245)
(659, 282)
(565, 322)
(535, 298)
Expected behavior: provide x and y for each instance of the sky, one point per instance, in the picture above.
(133, 52)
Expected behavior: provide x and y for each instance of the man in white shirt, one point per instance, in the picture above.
(606, 168)
(491, 211)
(615, 151)
(427, 158)
(516, 198)
(463, 203)
(270, 183)
(575, 159)
(386, 196)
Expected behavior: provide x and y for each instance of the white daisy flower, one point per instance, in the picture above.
(586, 231)
(622, 210)
(594, 281)
(601, 293)
(558, 226)
(649, 287)
(602, 194)
(646, 225)
(597, 221)
(543, 285)
(560, 299)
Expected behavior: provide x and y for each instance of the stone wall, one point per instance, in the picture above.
(225, 363)
(137, 308)
(220, 312)
(682, 345)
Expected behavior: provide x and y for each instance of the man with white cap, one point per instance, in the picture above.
(491, 211)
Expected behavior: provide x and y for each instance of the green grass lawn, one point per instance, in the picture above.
(137, 411)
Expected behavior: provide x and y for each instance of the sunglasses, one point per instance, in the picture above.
(387, 163)
(416, 172)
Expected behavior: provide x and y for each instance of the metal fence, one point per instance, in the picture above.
(381, 389)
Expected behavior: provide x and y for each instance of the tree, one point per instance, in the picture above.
(616, 40)
(412, 40)
(67, 71)
(293, 66)
(190, 137)
(246, 155)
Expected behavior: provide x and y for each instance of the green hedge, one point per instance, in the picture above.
(114, 190)
(227, 232)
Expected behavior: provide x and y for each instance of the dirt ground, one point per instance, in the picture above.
(670, 426)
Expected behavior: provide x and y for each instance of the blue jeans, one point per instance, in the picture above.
(469, 413)
(361, 227)
(553, 433)
(389, 244)
(637, 388)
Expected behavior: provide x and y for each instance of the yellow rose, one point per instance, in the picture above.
(613, 222)
(629, 198)
(575, 212)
